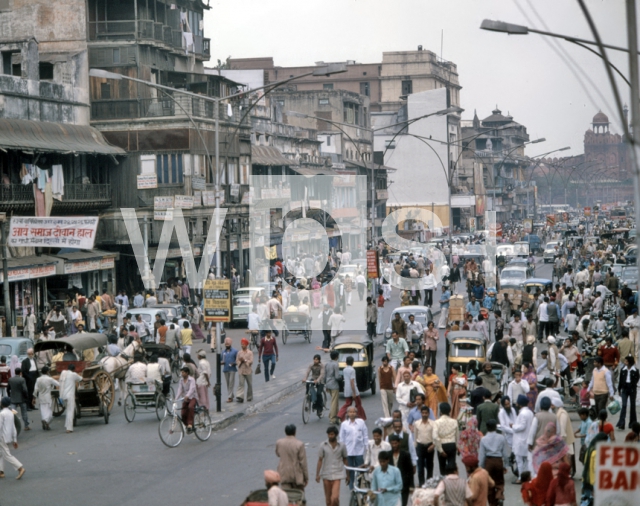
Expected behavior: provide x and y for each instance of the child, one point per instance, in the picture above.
(593, 426)
(585, 395)
(525, 489)
(581, 433)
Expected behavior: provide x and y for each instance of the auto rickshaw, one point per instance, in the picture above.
(530, 285)
(361, 349)
(462, 347)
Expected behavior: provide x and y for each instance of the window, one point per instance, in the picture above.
(351, 113)
(407, 87)
(245, 169)
(323, 101)
(46, 71)
(170, 170)
(116, 55)
(327, 86)
(280, 103)
(328, 140)
(232, 169)
(105, 91)
(364, 89)
(390, 144)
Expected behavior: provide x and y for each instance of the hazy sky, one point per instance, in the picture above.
(551, 86)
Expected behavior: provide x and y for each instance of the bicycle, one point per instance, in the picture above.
(254, 340)
(307, 402)
(172, 429)
(360, 494)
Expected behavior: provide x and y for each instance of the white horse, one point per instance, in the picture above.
(117, 366)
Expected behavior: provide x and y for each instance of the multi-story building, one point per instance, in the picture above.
(52, 163)
(170, 137)
(497, 144)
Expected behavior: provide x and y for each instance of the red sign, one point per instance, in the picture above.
(565, 217)
(551, 220)
(495, 230)
(372, 264)
(617, 473)
(587, 211)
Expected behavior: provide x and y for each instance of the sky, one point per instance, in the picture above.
(551, 86)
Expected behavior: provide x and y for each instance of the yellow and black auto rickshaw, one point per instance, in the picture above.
(361, 349)
(462, 347)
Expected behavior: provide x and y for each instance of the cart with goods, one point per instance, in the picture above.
(456, 308)
(95, 394)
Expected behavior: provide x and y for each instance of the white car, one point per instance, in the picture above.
(549, 254)
(243, 301)
(421, 313)
(513, 276)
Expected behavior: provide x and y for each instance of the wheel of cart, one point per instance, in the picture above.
(296, 323)
(146, 396)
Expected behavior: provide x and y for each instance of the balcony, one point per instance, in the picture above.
(19, 197)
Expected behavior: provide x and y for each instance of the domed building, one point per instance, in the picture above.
(606, 150)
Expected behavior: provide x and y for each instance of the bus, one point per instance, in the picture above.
(618, 214)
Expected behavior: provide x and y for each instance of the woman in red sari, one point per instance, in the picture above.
(328, 293)
(540, 485)
(562, 491)
(457, 390)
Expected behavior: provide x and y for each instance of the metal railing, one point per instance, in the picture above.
(20, 193)
(101, 30)
(16, 193)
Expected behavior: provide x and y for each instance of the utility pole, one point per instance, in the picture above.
(5, 272)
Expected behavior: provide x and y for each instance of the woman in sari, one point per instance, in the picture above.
(540, 485)
(434, 389)
(562, 491)
(550, 448)
(469, 440)
(330, 296)
(316, 294)
(457, 390)
(531, 377)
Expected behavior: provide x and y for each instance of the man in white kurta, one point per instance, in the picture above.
(8, 435)
(42, 392)
(520, 432)
(68, 381)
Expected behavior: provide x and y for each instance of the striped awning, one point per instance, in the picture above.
(269, 156)
(45, 137)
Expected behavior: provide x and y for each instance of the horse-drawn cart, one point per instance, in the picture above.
(95, 394)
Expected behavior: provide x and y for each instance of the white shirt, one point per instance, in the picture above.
(506, 420)
(253, 321)
(335, 323)
(521, 431)
(204, 367)
(403, 392)
(516, 389)
(137, 373)
(355, 436)
(68, 380)
(153, 372)
(42, 389)
(373, 450)
(430, 281)
(543, 316)
(8, 431)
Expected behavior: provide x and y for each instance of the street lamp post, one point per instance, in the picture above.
(330, 69)
(5, 272)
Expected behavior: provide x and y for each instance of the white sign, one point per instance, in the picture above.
(34, 272)
(617, 474)
(197, 198)
(184, 202)
(53, 232)
(208, 198)
(166, 215)
(163, 203)
(93, 264)
(147, 181)
(234, 191)
(198, 183)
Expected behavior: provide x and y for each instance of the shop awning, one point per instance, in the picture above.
(44, 137)
(87, 261)
(313, 171)
(270, 156)
(31, 267)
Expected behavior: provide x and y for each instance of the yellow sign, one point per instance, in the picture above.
(217, 300)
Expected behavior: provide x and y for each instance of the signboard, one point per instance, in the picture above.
(147, 181)
(527, 225)
(53, 232)
(495, 230)
(162, 203)
(234, 190)
(247, 197)
(587, 211)
(565, 217)
(198, 183)
(183, 202)
(372, 264)
(617, 474)
(217, 300)
(166, 215)
(382, 194)
(551, 220)
(93, 264)
(472, 225)
(33, 272)
(197, 198)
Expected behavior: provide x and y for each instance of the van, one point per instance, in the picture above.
(534, 241)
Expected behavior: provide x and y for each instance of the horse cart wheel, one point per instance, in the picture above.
(106, 388)
(105, 412)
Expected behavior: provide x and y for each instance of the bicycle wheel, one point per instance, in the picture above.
(129, 408)
(161, 407)
(202, 425)
(175, 370)
(171, 431)
(306, 408)
(285, 334)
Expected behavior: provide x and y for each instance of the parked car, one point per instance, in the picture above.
(148, 315)
(513, 276)
(243, 301)
(173, 310)
(10, 346)
(549, 254)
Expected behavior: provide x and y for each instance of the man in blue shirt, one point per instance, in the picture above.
(387, 481)
(444, 307)
(415, 413)
(138, 300)
(473, 307)
(229, 368)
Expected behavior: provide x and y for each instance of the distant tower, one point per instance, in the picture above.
(600, 123)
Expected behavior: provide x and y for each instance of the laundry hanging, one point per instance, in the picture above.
(188, 41)
(57, 182)
(43, 177)
(48, 199)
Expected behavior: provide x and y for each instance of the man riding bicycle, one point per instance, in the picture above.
(315, 374)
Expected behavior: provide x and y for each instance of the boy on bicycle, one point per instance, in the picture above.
(315, 373)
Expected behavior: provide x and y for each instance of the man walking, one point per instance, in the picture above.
(628, 388)
(332, 384)
(30, 324)
(244, 362)
(293, 460)
(19, 394)
(486, 411)
(354, 435)
(444, 307)
(386, 377)
(8, 436)
(332, 459)
(42, 392)
(520, 433)
(380, 308)
(371, 316)
(479, 481)
(68, 381)
(351, 392)
(30, 374)
(494, 458)
(601, 384)
(326, 328)
(228, 359)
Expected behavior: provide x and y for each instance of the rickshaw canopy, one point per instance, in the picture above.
(76, 341)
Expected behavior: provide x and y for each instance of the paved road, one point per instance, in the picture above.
(127, 464)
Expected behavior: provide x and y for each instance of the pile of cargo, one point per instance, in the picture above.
(456, 308)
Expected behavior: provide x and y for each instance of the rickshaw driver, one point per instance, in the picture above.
(396, 349)
(315, 373)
